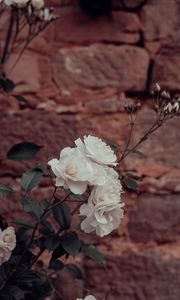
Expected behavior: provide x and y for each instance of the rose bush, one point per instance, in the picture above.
(87, 164)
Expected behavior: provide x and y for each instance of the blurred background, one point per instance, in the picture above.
(75, 78)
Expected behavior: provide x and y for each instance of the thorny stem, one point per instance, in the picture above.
(129, 138)
(158, 123)
(59, 231)
(28, 41)
(58, 203)
(35, 229)
(8, 37)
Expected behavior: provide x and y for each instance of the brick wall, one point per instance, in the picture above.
(75, 77)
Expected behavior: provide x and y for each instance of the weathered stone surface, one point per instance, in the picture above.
(166, 68)
(160, 20)
(78, 28)
(161, 147)
(98, 66)
(155, 218)
(47, 129)
(128, 4)
(26, 74)
(135, 276)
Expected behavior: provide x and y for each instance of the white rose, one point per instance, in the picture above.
(99, 174)
(72, 170)
(20, 3)
(8, 238)
(103, 210)
(5, 255)
(8, 2)
(7, 243)
(98, 151)
(38, 4)
(89, 297)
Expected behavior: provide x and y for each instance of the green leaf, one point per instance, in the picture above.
(114, 145)
(23, 151)
(130, 184)
(71, 243)
(62, 214)
(139, 153)
(25, 224)
(51, 242)
(33, 207)
(93, 253)
(6, 190)
(22, 101)
(56, 265)
(15, 292)
(77, 197)
(30, 179)
(58, 252)
(7, 84)
(75, 271)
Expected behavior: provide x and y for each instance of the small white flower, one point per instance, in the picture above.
(157, 87)
(96, 150)
(7, 243)
(89, 297)
(38, 4)
(72, 170)
(176, 106)
(46, 14)
(103, 211)
(5, 255)
(168, 108)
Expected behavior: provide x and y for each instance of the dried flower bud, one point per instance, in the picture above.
(46, 14)
(132, 107)
(165, 95)
(157, 88)
(168, 108)
(176, 106)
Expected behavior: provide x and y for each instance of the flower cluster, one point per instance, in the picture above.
(35, 8)
(164, 102)
(7, 244)
(90, 164)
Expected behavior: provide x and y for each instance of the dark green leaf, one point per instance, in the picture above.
(7, 84)
(114, 145)
(56, 265)
(58, 252)
(77, 197)
(22, 101)
(51, 242)
(93, 253)
(130, 184)
(15, 292)
(23, 151)
(25, 224)
(44, 169)
(139, 153)
(33, 207)
(5, 190)
(71, 243)
(75, 271)
(30, 179)
(62, 214)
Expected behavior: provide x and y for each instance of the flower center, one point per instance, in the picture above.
(71, 171)
(7, 238)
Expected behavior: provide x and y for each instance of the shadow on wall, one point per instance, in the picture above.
(95, 8)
